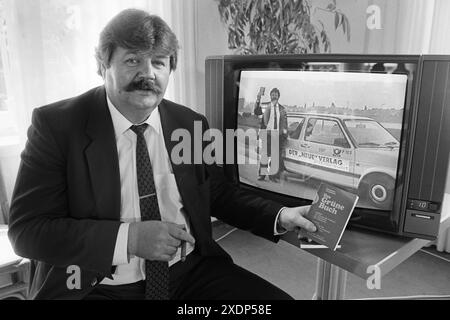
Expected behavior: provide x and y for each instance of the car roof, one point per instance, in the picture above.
(332, 116)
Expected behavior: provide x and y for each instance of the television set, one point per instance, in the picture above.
(376, 125)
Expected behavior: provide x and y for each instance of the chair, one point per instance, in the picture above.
(14, 270)
(13, 280)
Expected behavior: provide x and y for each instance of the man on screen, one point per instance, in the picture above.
(274, 120)
(98, 192)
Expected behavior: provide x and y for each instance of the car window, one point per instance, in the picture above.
(325, 132)
(295, 126)
(370, 134)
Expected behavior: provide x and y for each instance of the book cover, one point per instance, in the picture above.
(330, 213)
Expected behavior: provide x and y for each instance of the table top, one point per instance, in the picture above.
(7, 255)
(361, 249)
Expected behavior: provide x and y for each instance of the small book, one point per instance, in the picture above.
(330, 213)
(262, 90)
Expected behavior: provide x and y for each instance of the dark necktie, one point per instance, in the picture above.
(275, 124)
(156, 272)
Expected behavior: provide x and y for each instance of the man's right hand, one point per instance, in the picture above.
(156, 240)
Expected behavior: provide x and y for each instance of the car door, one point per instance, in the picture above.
(326, 152)
(292, 148)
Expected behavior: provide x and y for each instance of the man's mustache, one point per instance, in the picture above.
(143, 84)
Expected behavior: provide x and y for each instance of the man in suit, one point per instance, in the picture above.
(274, 120)
(100, 207)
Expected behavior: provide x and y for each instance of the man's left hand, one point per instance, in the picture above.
(292, 219)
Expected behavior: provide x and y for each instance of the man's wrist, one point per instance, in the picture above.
(279, 229)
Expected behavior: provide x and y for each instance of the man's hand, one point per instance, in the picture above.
(292, 219)
(156, 240)
(260, 93)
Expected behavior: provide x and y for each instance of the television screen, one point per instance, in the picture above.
(340, 127)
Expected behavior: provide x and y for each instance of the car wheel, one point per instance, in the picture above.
(378, 190)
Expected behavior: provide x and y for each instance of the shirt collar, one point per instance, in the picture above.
(122, 124)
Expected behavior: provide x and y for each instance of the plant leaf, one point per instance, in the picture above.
(277, 26)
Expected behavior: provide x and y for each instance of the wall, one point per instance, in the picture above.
(407, 26)
(212, 40)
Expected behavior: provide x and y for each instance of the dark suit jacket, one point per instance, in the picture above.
(66, 203)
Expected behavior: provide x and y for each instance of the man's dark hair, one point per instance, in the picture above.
(275, 90)
(136, 30)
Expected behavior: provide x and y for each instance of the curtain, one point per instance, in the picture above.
(48, 54)
(440, 39)
(184, 13)
(410, 27)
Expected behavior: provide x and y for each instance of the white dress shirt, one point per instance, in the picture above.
(169, 199)
(271, 123)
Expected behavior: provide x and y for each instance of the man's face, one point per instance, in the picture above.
(274, 97)
(136, 81)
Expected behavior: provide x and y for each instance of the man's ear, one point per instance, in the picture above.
(102, 70)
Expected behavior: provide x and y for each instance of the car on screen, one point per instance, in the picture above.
(353, 152)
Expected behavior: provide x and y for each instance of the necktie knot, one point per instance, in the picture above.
(140, 129)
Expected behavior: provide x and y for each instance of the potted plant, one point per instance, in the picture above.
(278, 26)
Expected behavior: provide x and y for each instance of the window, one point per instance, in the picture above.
(325, 132)
(47, 51)
(3, 36)
(369, 134)
(3, 106)
(295, 126)
(8, 127)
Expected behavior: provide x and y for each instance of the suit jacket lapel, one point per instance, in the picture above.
(102, 158)
(184, 173)
(169, 123)
(267, 115)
